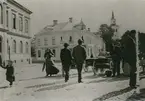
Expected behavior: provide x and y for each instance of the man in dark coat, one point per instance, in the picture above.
(116, 57)
(66, 59)
(79, 55)
(129, 56)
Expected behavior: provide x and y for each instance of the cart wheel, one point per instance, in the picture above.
(108, 73)
(86, 69)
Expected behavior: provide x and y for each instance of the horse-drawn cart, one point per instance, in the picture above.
(102, 64)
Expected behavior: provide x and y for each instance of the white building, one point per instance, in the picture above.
(53, 36)
(15, 32)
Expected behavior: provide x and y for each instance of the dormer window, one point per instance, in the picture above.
(70, 39)
(61, 40)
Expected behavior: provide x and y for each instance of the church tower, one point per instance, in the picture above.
(114, 26)
(113, 20)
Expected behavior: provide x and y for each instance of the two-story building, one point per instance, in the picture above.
(15, 32)
(55, 35)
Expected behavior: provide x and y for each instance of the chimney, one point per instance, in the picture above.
(89, 29)
(55, 22)
(70, 19)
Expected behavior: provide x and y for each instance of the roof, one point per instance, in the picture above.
(61, 27)
(20, 6)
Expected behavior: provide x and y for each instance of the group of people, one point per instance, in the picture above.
(78, 56)
(125, 52)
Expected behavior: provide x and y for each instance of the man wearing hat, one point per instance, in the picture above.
(66, 59)
(79, 55)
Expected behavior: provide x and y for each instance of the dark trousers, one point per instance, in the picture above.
(116, 68)
(66, 68)
(79, 68)
(132, 82)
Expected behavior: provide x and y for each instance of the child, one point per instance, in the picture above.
(9, 72)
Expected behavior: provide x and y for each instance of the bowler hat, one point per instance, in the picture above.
(66, 44)
(80, 41)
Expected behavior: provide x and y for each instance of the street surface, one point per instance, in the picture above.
(32, 85)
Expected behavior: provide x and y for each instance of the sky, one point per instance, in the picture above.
(130, 14)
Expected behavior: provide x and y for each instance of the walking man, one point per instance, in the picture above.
(116, 57)
(79, 55)
(66, 59)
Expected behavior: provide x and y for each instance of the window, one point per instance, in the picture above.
(14, 46)
(116, 30)
(70, 39)
(45, 41)
(7, 18)
(53, 40)
(0, 44)
(83, 39)
(61, 40)
(26, 26)
(14, 21)
(39, 53)
(38, 42)
(1, 14)
(7, 46)
(21, 47)
(54, 52)
(20, 23)
(27, 47)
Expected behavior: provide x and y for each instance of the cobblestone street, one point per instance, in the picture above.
(31, 85)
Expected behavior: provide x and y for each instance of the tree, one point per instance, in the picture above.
(129, 35)
(106, 33)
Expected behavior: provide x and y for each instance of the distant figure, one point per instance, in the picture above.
(66, 59)
(9, 72)
(79, 55)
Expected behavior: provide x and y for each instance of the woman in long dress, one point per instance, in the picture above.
(49, 64)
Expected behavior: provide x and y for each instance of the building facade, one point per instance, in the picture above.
(55, 35)
(15, 32)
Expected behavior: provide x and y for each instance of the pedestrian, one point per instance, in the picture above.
(79, 55)
(116, 58)
(47, 56)
(9, 72)
(66, 59)
(129, 56)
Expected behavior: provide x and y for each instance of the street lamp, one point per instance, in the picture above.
(137, 64)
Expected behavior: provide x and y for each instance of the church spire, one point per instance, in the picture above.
(113, 15)
(113, 20)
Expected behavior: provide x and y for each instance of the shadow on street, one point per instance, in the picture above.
(4, 87)
(109, 79)
(137, 97)
(49, 77)
(112, 94)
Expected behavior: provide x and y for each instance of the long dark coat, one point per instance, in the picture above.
(9, 73)
(65, 56)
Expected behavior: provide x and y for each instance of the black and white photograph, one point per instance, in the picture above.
(72, 50)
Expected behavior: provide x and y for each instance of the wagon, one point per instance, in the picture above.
(100, 65)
